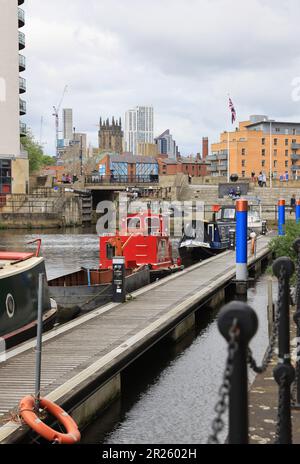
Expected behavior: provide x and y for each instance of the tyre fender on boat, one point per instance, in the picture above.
(28, 414)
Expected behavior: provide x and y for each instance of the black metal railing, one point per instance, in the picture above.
(126, 180)
(238, 324)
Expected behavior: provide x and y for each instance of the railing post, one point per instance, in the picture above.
(297, 322)
(238, 324)
(241, 240)
(281, 217)
(298, 211)
(284, 372)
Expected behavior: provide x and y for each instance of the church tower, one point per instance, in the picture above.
(111, 136)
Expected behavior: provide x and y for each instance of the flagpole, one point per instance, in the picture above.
(228, 151)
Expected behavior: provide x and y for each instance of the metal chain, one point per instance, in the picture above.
(281, 408)
(297, 303)
(222, 405)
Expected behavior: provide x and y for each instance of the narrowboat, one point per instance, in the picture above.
(19, 280)
(143, 241)
(201, 240)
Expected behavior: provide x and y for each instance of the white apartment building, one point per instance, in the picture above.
(14, 166)
(139, 127)
(68, 123)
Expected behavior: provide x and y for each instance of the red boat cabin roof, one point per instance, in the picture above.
(14, 256)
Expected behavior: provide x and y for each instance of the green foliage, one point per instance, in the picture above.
(37, 159)
(283, 246)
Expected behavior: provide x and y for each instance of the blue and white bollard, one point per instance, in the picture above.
(298, 211)
(281, 218)
(241, 240)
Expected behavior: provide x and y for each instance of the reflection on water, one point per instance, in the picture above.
(172, 399)
(63, 252)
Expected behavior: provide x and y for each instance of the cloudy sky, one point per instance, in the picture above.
(181, 56)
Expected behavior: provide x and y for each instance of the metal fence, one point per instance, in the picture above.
(238, 324)
(115, 179)
(23, 204)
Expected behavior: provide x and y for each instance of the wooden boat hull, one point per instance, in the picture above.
(83, 291)
(19, 301)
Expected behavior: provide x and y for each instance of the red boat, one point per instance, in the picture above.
(144, 241)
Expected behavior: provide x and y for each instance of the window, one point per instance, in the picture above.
(294, 141)
(275, 164)
(263, 141)
(263, 152)
(243, 163)
(294, 132)
(275, 152)
(286, 142)
(5, 177)
(263, 163)
(243, 174)
(275, 142)
(243, 151)
(286, 164)
(286, 153)
(133, 223)
(277, 129)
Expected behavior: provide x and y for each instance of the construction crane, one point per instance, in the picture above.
(56, 115)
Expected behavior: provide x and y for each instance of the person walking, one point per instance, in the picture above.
(260, 179)
(293, 204)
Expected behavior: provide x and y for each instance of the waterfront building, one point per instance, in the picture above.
(139, 128)
(258, 145)
(111, 136)
(128, 166)
(166, 145)
(14, 165)
(68, 123)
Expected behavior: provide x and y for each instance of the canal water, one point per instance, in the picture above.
(63, 252)
(169, 396)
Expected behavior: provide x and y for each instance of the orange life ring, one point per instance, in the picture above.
(28, 414)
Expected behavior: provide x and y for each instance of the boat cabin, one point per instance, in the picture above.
(143, 239)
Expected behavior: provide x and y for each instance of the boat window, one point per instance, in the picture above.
(153, 224)
(133, 223)
(110, 251)
(228, 213)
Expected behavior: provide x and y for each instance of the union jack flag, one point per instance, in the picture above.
(233, 112)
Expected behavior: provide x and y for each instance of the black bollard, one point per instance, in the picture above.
(284, 372)
(241, 319)
(297, 322)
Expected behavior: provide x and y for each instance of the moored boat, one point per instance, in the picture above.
(19, 277)
(201, 240)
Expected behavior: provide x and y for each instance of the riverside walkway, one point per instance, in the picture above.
(86, 356)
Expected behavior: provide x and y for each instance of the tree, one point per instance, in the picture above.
(37, 159)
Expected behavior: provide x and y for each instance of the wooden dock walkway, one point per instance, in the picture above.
(86, 353)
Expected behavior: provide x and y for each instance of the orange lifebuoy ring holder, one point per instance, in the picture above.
(28, 414)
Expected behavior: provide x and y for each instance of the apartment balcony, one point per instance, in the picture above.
(213, 168)
(295, 157)
(21, 17)
(295, 167)
(223, 156)
(22, 63)
(21, 40)
(295, 146)
(22, 85)
(212, 158)
(23, 129)
(223, 167)
(22, 107)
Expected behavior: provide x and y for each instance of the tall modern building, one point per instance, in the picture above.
(139, 128)
(68, 123)
(166, 145)
(14, 166)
